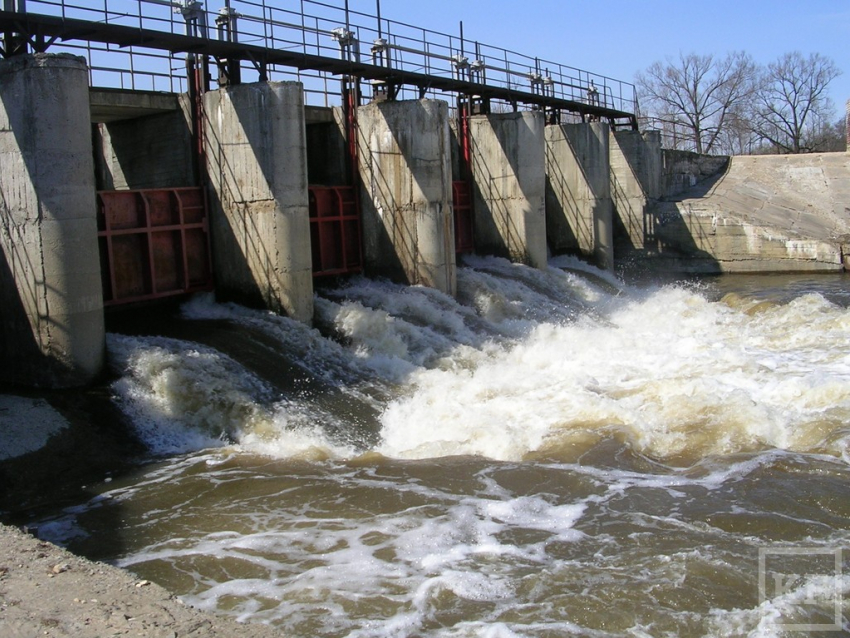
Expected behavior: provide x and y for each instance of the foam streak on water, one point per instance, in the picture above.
(551, 453)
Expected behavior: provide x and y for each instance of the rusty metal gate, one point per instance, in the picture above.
(335, 231)
(462, 203)
(154, 243)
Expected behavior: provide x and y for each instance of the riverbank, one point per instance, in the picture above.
(49, 451)
(47, 591)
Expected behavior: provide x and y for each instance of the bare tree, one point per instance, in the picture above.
(792, 104)
(700, 93)
(832, 137)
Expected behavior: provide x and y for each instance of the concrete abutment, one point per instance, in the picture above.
(50, 284)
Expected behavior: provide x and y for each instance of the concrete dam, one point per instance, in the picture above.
(115, 196)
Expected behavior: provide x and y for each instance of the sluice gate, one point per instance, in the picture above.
(335, 231)
(154, 243)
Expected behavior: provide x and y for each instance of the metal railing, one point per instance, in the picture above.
(316, 28)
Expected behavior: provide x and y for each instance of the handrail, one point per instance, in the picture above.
(314, 29)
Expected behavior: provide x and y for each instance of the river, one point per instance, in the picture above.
(552, 453)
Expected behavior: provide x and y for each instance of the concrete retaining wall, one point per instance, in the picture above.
(406, 200)
(578, 192)
(50, 286)
(683, 170)
(766, 213)
(257, 167)
(509, 179)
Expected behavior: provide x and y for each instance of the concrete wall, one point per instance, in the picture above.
(692, 239)
(257, 167)
(769, 213)
(509, 180)
(682, 170)
(154, 151)
(405, 170)
(50, 286)
(578, 192)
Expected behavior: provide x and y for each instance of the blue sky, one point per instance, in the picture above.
(617, 38)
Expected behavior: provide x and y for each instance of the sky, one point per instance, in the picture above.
(618, 38)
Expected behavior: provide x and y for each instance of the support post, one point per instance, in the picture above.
(256, 154)
(50, 284)
(405, 174)
(578, 191)
(508, 171)
(635, 181)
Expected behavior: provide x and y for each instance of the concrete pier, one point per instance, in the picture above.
(508, 171)
(50, 285)
(405, 170)
(635, 180)
(257, 167)
(578, 192)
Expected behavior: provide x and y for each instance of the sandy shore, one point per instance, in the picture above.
(47, 591)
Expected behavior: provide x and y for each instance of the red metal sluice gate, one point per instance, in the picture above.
(462, 204)
(154, 243)
(335, 231)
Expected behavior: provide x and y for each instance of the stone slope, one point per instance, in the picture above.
(765, 214)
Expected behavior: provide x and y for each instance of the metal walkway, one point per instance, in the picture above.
(257, 40)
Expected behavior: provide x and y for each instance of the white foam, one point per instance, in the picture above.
(526, 361)
(810, 605)
(184, 397)
(674, 373)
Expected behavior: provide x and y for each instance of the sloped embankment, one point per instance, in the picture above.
(764, 214)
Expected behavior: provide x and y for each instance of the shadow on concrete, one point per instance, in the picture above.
(326, 154)
(650, 234)
(153, 151)
(703, 174)
(403, 184)
(569, 227)
(18, 297)
(564, 224)
(504, 200)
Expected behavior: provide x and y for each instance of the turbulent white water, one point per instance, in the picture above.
(553, 453)
(526, 362)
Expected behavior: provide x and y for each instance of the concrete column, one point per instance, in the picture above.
(257, 166)
(635, 180)
(51, 300)
(578, 191)
(406, 200)
(508, 171)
